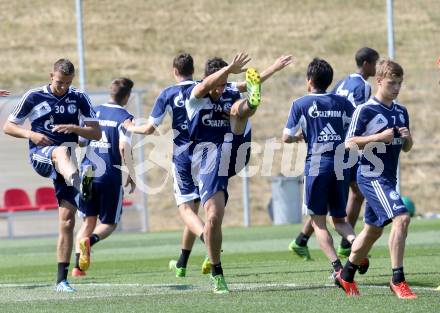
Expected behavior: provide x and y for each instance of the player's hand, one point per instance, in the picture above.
(65, 128)
(404, 132)
(4, 93)
(130, 182)
(40, 139)
(282, 62)
(238, 63)
(127, 123)
(387, 135)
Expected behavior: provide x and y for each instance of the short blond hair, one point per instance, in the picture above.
(388, 69)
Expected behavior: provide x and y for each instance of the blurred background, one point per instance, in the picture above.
(139, 38)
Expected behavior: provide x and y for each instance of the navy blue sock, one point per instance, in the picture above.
(183, 259)
(94, 238)
(216, 269)
(398, 275)
(337, 265)
(302, 240)
(345, 243)
(63, 269)
(77, 260)
(348, 271)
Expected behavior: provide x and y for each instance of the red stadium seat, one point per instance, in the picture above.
(126, 202)
(45, 198)
(16, 199)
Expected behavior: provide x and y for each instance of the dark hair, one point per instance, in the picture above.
(320, 73)
(120, 88)
(213, 65)
(366, 54)
(64, 66)
(184, 64)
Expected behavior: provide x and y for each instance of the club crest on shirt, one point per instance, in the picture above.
(71, 108)
(402, 118)
(394, 195)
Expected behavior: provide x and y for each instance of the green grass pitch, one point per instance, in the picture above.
(129, 274)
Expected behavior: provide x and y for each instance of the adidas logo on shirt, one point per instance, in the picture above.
(328, 134)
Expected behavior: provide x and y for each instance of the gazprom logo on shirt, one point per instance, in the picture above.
(178, 100)
(48, 124)
(70, 100)
(108, 123)
(314, 113)
(328, 134)
(207, 121)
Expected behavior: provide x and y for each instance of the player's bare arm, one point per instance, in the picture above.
(145, 129)
(126, 152)
(90, 130)
(17, 131)
(406, 134)
(293, 139)
(277, 66)
(360, 142)
(4, 93)
(212, 81)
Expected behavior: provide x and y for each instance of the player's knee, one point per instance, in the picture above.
(185, 208)
(60, 152)
(338, 221)
(214, 220)
(374, 233)
(67, 223)
(319, 223)
(402, 221)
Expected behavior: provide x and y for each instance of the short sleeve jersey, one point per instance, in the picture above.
(207, 118)
(104, 154)
(323, 119)
(374, 117)
(172, 101)
(355, 88)
(45, 110)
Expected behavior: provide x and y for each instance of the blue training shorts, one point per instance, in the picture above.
(106, 202)
(183, 183)
(325, 194)
(383, 201)
(41, 160)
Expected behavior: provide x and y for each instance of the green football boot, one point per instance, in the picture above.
(180, 271)
(343, 252)
(302, 252)
(253, 87)
(206, 266)
(219, 284)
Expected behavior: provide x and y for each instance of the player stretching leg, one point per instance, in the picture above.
(216, 136)
(54, 111)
